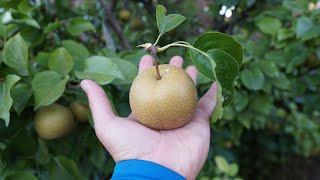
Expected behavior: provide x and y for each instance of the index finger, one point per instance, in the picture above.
(145, 62)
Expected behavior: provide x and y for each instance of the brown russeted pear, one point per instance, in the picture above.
(165, 103)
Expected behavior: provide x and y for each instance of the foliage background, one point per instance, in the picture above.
(271, 129)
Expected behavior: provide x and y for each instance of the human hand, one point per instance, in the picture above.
(183, 150)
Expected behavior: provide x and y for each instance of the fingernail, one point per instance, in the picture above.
(147, 56)
(214, 87)
(177, 58)
(192, 68)
(84, 85)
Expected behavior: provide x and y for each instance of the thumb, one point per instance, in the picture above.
(208, 102)
(99, 104)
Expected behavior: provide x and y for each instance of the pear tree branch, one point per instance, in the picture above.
(110, 18)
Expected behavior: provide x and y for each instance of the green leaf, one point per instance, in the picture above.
(30, 21)
(296, 6)
(5, 97)
(69, 166)
(233, 169)
(24, 19)
(9, 3)
(241, 101)
(297, 54)
(269, 68)
(169, 22)
(133, 56)
(222, 164)
(100, 69)
(252, 78)
(98, 158)
(262, 104)
(223, 42)
(127, 69)
(76, 26)
(250, 2)
(312, 33)
(78, 52)
(25, 7)
(205, 65)
(227, 70)
(228, 113)
(15, 54)
(161, 18)
(268, 25)
(33, 37)
(110, 54)
(42, 59)
(57, 171)
(257, 48)
(284, 34)
(60, 61)
(315, 12)
(20, 176)
(218, 110)
(201, 79)
(23, 143)
(52, 26)
(281, 82)
(65, 168)
(48, 86)
(0, 59)
(42, 156)
(304, 24)
(318, 52)
(3, 31)
(245, 119)
(278, 57)
(21, 93)
(172, 21)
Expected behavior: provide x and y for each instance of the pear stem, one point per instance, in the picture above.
(157, 68)
(153, 52)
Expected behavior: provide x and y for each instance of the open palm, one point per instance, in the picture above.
(183, 150)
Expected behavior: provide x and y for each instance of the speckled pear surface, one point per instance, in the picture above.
(167, 103)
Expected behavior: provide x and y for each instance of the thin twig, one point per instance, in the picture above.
(108, 37)
(117, 29)
(113, 5)
(111, 19)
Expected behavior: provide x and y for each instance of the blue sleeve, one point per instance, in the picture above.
(140, 169)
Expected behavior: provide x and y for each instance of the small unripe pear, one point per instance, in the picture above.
(80, 111)
(124, 14)
(167, 103)
(53, 121)
(137, 24)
